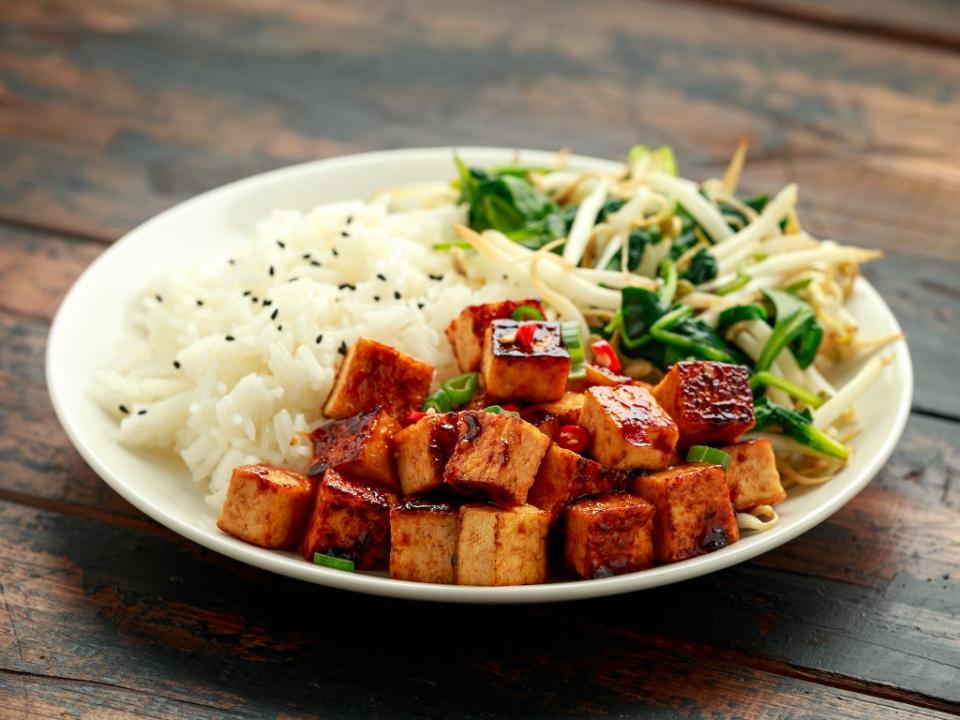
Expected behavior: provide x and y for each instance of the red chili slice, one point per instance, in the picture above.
(605, 356)
(414, 415)
(574, 437)
(510, 407)
(525, 334)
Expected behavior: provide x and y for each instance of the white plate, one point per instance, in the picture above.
(92, 319)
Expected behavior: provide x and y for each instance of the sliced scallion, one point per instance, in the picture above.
(461, 388)
(498, 410)
(570, 331)
(527, 312)
(331, 561)
(438, 400)
(709, 455)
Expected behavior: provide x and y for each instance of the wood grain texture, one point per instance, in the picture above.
(89, 602)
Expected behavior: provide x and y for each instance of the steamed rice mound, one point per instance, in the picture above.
(235, 361)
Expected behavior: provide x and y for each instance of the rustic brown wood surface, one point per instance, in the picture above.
(112, 110)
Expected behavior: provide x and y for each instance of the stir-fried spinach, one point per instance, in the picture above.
(797, 424)
(702, 267)
(796, 326)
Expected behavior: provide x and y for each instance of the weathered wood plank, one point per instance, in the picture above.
(863, 126)
(85, 601)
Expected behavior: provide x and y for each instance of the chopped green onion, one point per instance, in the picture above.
(452, 244)
(738, 282)
(527, 312)
(461, 388)
(498, 410)
(334, 562)
(740, 313)
(709, 455)
(668, 271)
(438, 400)
(570, 331)
(766, 378)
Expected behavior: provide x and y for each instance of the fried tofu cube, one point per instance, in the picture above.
(694, 514)
(565, 476)
(349, 519)
(501, 547)
(548, 418)
(423, 540)
(711, 402)
(266, 505)
(375, 374)
(359, 445)
(422, 450)
(608, 535)
(467, 331)
(495, 457)
(514, 370)
(628, 428)
(752, 474)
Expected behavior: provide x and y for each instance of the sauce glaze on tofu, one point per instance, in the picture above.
(519, 371)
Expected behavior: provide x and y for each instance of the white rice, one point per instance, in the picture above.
(250, 399)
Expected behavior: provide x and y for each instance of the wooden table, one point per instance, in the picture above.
(112, 110)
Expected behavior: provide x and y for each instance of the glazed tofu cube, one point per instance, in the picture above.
(565, 476)
(349, 519)
(548, 418)
(514, 370)
(694, 515)
(359, 446)
(501, 547)
(608, 535)
(495, 457)
(423, 540)
(628, 428)
(266, 505)
(467, 330)
(422, 450)
(752, 474)
(375, 374)
(711, 402)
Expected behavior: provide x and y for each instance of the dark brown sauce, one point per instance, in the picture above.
(714, 538)
(474, 428)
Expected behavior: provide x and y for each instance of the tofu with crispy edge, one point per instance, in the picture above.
(501, 547)
(467, 331)
(349, 519)
(422, 450)
(548, 418)
(694, 514)
(359, 445)
(608, 535)
(375, 374)
(565, 476)
(711, 402)
(495, 457)
(423, 540)
(628, 428)
(513, 371)
(752, 474)
(266, 505)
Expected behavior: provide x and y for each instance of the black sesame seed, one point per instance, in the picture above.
(438, 278)
(271, 271)
(159, 299)
(381, 276)
(230, 338)
(176, 364)
(123, 409)
(315, 263)
(306, 256)
(349, 219)
(255, 299)
(293, 279)
(344, 233)
(376, 298)
(503, 276)
(281, 244)
(319, 338)
(279, 328)
(343, 348)
(347, 286)
(273, 315)
(335, 252)
(141, 412)
(231, 261)
(247, 293)
(199, 303)
(420, 305)
(267, 303)
(396, 295)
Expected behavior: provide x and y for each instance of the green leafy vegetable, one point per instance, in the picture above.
(766, 378)
(795, 323)
(637, 242)
(703, 267)
(797, 425)
(740, 313)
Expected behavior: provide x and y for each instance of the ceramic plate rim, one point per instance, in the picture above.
(291, 566)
